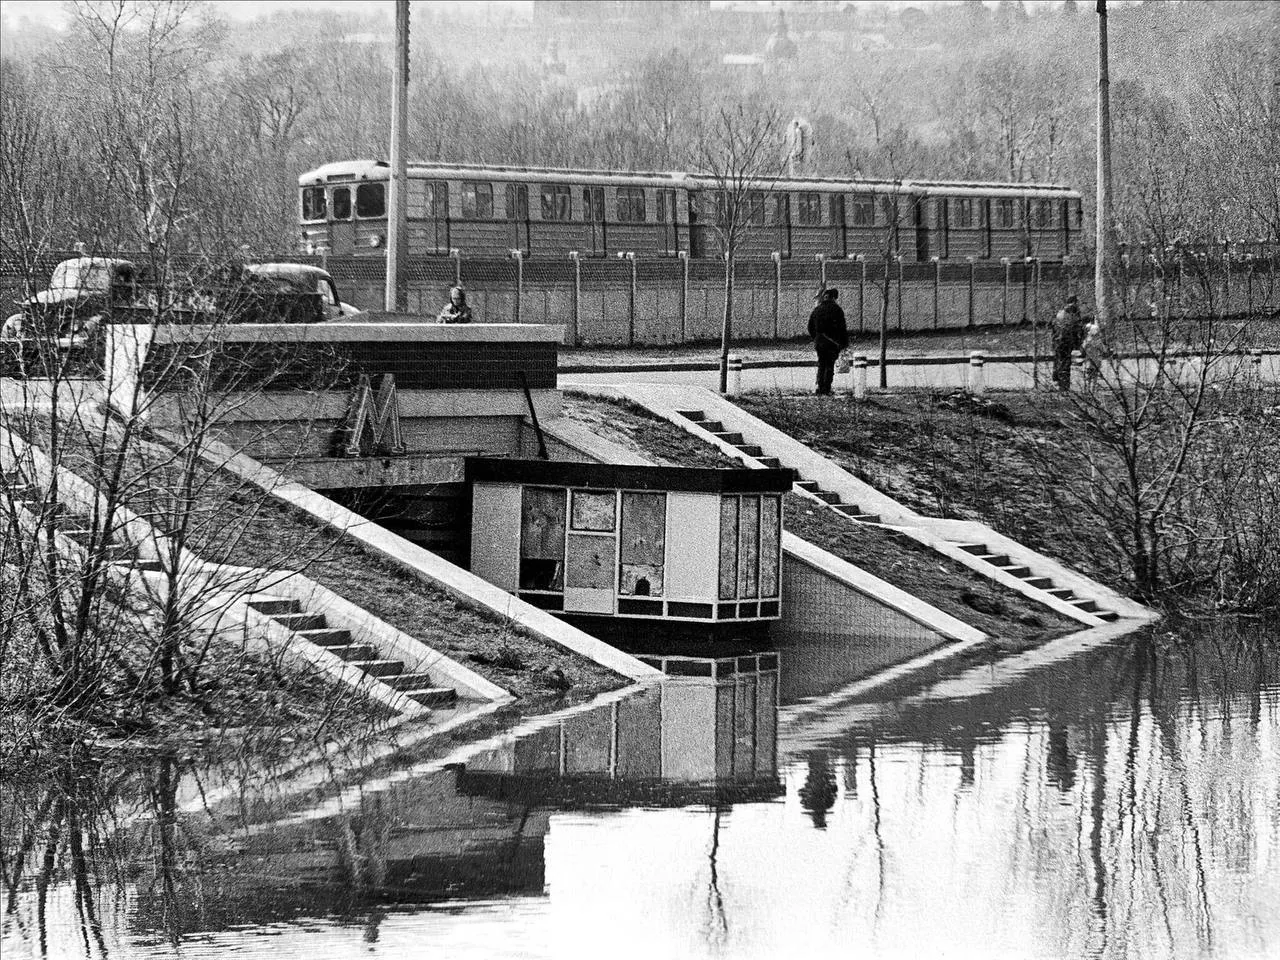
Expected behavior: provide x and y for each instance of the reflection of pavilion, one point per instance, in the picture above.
(709, 734)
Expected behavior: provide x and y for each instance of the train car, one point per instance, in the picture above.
(486, 211)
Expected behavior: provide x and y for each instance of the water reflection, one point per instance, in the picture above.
(1122, 803)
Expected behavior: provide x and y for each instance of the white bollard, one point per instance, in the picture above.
(735, 376)
(977, 376)
(858, 375)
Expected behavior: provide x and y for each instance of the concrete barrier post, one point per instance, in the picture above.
(777, 290)
(822, 270)
(684, 295)
(575, 334)
(977, 375)
(937, 285)
(735, 375)
(518, 256)
(859, 375)
(630, 257)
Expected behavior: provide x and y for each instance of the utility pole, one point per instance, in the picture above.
(1104, 228)
(398, 195)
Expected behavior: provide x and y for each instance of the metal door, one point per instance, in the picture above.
(668, 238)
(593, 214)
(518, 216)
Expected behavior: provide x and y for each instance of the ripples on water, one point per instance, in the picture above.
(1124, 803)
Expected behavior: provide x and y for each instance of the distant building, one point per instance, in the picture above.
(616, 9)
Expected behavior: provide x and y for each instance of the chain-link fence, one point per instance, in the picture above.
(677, 300)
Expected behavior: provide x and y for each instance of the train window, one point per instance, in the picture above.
(342, 203)
(1004, 214)
(961, 213)
(437, 198)
(780, 208)
(809, 208)
(835, 209)
(1042, 213)
(477, 200)
(555, 201)
(517, 201)
(631, 204)
(371, 200)
(754, 206)
(313, 207)
(593, 204)
(666, 206)
(864, 211)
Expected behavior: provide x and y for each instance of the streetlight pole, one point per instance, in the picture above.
(398, 195)
(1103, 228)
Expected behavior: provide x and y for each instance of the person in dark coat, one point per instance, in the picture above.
(829, 334)
(1068, 336)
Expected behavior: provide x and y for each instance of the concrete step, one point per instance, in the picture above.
(350, 652)
(431, 696)
(1062, 593)
(301, 621)
(770, 463)
(1040, 583)
(733, 439)
(996, 559)
(751, 449)
(1108, 615)
(1088, 606)
(810, 485)
(379, 668)
(826, 496)
(977, 549)
(410, 681)
(327, 637)
(690, 414)
(272, 607)
(854, 512)
(1017, 571)
(711, 426)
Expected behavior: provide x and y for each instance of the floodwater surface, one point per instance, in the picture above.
(1124, 802)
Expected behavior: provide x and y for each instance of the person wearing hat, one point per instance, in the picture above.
(830, 335)
(1068, 332)
(456, 310)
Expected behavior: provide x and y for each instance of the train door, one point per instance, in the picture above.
(920, 223)
(942, 220)
(984, 222)
(593, 214)
(782, 220)
(518, 216)
(839, 237)
(343, 235)
(668, 230)
(697, 232)
(1065, 211)
(437, 216)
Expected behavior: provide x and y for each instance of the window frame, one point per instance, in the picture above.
(349, 203)
(307, 204)
(864, 210)
(629, 204)
(555, 198)
(809, 208)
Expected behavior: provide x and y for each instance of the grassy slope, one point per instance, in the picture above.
(897, 559)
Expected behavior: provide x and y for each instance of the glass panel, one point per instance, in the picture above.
(542, 539)
(728, 548)
(313, 207)
(371, 200)
(594, 511)
(643, 543)
(590, 563)
(836, 209)
(342, 203)
(749, 548)
(770, 533)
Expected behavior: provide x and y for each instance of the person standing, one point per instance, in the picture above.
(830, 335)
(1068, 335)
(456, 310)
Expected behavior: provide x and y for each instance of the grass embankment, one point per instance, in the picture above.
(1009, 618)
(230, 521)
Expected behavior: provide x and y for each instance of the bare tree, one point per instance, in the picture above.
(741, 151)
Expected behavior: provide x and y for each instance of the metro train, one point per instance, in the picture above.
(491, 211)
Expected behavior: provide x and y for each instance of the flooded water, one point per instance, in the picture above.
(1124, 802)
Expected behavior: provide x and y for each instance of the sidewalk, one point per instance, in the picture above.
(1011, 343)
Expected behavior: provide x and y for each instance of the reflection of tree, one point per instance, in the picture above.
(1060, 761)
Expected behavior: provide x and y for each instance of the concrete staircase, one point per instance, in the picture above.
(379, 666)
(735, 432)
(753, 451)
